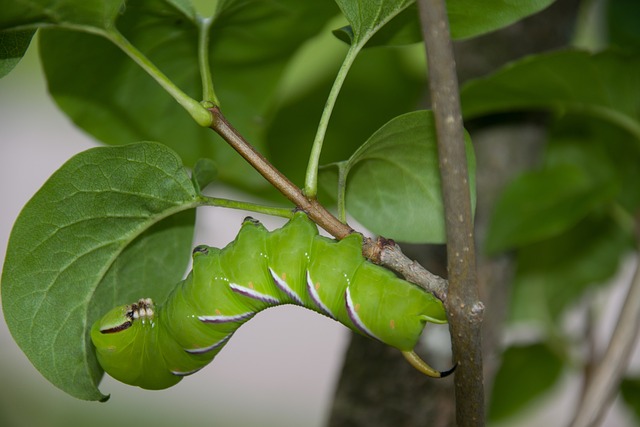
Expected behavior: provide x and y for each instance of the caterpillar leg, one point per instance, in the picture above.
(422, 366)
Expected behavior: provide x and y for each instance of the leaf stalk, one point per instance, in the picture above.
(208, 92)
(245, 206)
(311, 177)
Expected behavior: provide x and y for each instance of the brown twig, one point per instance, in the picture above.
(387, 255)
(464, 308)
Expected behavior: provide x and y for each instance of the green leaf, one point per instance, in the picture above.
(470, 18)
(630, 388)
(204, 173)
(87, 15)
(13, 45)
(542, 204)
(604, 85)
(552, 274)
(366, 17)
(403, 29)
(467, 18)
(393, 181)
(526, 373)
(111, 98)
(110, 226)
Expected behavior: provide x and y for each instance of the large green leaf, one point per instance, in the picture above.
(604, 85)
(393, 180)
(110, 226)
(536, 367)
(110, 97)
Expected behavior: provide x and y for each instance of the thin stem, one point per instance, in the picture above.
(208, 93)
(311, 178)
(246, 206)
(463, 306)
(193, 107)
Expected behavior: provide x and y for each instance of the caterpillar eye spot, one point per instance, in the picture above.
(200, 249)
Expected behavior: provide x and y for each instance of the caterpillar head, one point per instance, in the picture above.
(125, 339)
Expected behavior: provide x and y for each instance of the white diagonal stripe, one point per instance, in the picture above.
(313, 293)
(284, 286)
(252, 293)
(355, 317)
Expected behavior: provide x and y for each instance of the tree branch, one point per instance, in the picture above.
(315, 210)
(464, 308)
(382, 251)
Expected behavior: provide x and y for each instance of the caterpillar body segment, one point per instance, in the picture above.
(155, 346)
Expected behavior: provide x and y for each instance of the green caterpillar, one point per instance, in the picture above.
(154, 347)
